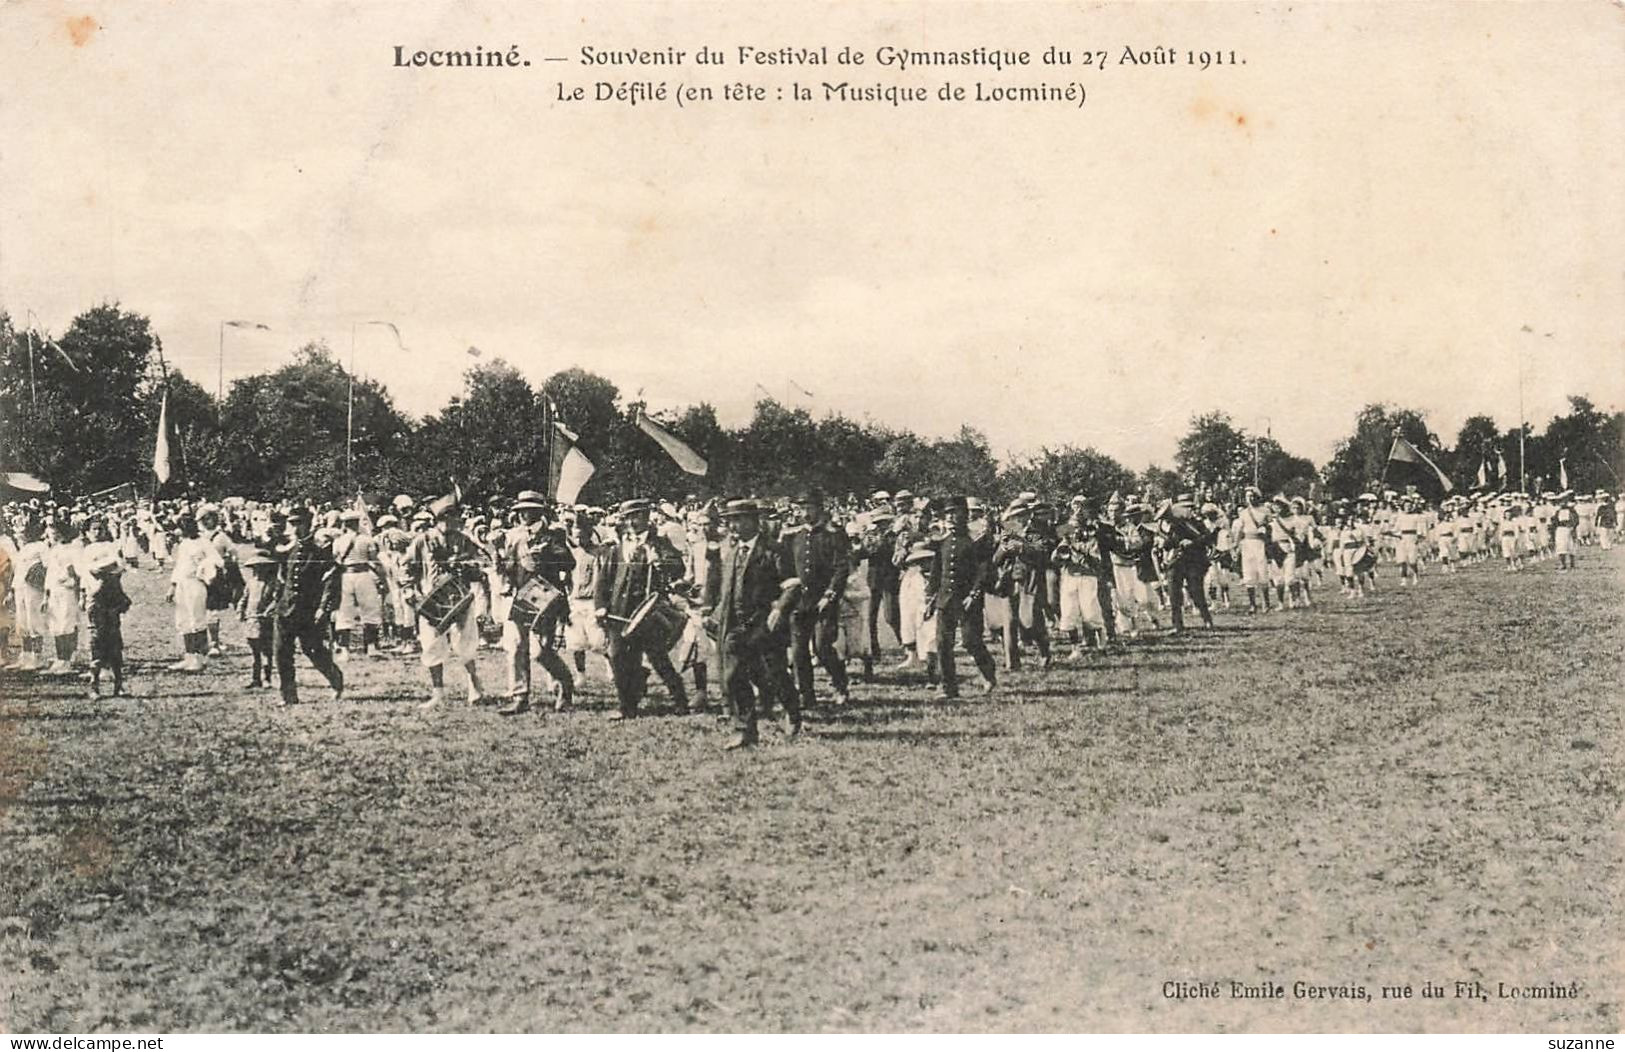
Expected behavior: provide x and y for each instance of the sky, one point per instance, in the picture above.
(1371, 209)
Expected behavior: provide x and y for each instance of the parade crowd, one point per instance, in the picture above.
(743, 598)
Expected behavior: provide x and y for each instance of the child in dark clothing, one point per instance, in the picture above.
(105, 604)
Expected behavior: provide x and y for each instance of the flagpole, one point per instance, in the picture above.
(33, 391)
(349, 416)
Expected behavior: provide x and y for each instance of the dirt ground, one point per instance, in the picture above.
(1418, 788)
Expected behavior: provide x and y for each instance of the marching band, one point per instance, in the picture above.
(750, 595)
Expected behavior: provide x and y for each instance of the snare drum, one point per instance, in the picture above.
(446, 601)
(656, 625)
(537, 605)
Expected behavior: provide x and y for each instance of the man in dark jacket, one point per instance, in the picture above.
(747, 602)
(307, 589)
(954, 590)
(877, 545)
(1187, 542)
(818, 556)
(635, 565)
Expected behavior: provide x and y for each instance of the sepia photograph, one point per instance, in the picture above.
(910, 517)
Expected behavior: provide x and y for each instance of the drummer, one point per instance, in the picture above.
(638, 565)
(532, 558)
(444, 557)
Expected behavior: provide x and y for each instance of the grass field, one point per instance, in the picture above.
(1422, 787)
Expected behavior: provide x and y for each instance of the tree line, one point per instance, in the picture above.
(81, 410)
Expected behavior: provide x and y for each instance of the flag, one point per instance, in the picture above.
(392, 328)
(1406, 453)
(160, 452)
(1563, 473)
(675, 447)
(57, 347)
(1501, 467)
(361, 509)
(1483, 473)
(569, 469)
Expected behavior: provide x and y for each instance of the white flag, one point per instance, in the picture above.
(160, 452)
(572, 468)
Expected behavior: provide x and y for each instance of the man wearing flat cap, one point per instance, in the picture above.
(637, 564)
(957, 582)
(817, 556)
(747, 600)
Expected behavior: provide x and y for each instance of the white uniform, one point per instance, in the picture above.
(196, 564)
(1251, 529)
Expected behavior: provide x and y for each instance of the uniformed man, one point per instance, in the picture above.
(361, 592)
(817, 555)
(1021, 560)
(1186, 542)
(532, 549)
(439, 552)
(959, 576)
(1081, 563)
(307, 589)
(747, 599)
(637, 564)
(877, 545)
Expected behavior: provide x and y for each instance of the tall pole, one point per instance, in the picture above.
(220, 371)
(33, 391)
(1523, 486)
(349, 418)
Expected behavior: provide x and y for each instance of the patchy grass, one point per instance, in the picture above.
(1418, 788)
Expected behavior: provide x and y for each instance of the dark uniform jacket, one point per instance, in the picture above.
(876, 547)
(623, 583)
(820, 557)
(1023, 560)
(961, 569)
(739, 596)
(1186, 540)
(1084, 556)
(306, 583)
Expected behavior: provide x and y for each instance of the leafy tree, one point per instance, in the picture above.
(74, 406)
(490, 439)
(1476, 443)
(1215, 453)
(963, 464)
(285, 432)
(1589, 440)
(1061, 473)
(1361, 460)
